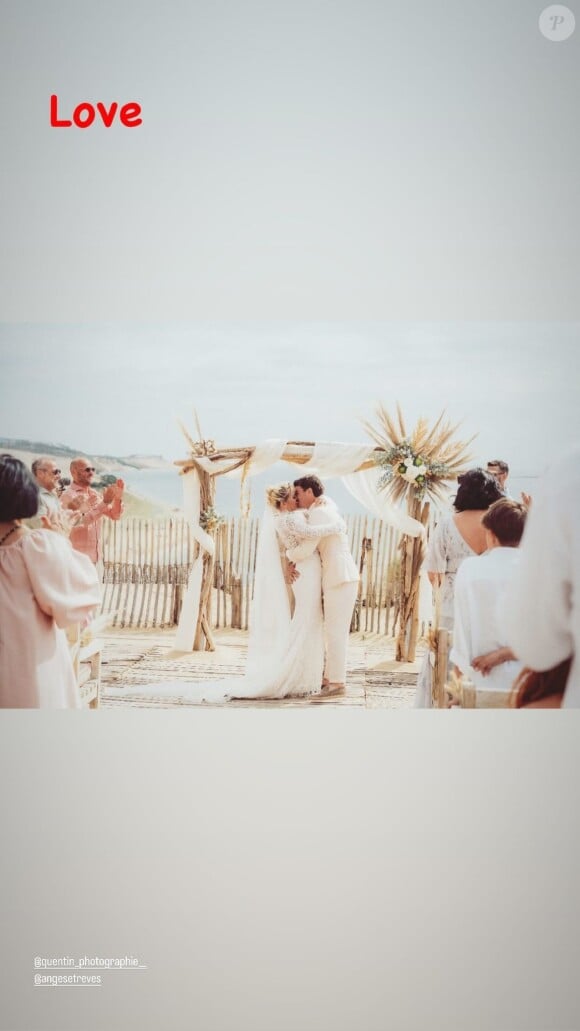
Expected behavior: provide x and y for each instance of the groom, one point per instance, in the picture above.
(339, 581)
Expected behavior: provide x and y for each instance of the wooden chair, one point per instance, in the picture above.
(440, 644)
(86, 654)
(469, 696)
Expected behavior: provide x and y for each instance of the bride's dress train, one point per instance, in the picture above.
(292, 663)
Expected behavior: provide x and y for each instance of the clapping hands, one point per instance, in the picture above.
(74, 504)
(114, 492)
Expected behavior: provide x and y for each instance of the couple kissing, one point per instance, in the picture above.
(316, 562)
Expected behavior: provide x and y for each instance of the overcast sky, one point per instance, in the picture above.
(118, 389)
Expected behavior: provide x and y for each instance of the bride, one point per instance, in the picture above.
(286, 651)
(285, 648)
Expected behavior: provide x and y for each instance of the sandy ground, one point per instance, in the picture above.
(374, 679)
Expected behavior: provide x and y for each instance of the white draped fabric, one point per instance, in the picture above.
(185, 634)
(265, 454)
(363, 487)
(337, 459)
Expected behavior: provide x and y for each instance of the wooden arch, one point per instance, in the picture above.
(299, 453)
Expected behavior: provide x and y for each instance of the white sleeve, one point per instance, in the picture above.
(536, 609)
(324, 521)
(304, 530)
(289, 529)
(302, 551)
(64, 582)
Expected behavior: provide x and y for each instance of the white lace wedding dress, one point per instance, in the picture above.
(285, 650)
(288, 658)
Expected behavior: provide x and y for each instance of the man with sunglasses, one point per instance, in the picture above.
(500, 469)
(90, 507)
(46, 473)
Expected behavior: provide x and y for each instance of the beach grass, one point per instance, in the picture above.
(138, 507)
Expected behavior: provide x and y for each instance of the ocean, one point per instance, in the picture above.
(164, 486)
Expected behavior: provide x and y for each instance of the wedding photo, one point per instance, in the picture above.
(289, 488)
(286, 515)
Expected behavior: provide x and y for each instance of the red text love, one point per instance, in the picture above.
(84, 114)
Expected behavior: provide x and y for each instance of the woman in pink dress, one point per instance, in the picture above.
(44, 587)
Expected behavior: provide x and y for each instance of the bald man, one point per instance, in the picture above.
(90, 506)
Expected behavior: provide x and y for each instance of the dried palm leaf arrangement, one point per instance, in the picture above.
(416, 465)
(416, 468)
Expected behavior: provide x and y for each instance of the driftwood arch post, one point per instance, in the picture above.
(204, 640)
(416, 467)
(412, 554)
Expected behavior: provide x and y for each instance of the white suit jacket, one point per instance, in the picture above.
(338, 565)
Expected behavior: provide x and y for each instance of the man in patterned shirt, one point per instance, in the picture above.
(90, 507)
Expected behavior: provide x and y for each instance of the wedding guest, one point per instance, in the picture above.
(44, 587)
(479, 644)
(81, 498)
(541, 610)
(534, 690)
(458, 535)
(63, 483)
(500, 469)
(46, 473)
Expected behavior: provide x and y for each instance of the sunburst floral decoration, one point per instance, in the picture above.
(416, 465)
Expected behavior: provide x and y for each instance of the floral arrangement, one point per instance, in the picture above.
(210, 520)
(416, 465)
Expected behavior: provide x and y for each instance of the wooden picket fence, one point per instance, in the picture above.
(147, 564)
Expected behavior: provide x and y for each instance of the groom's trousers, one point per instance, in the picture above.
(338, 606)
